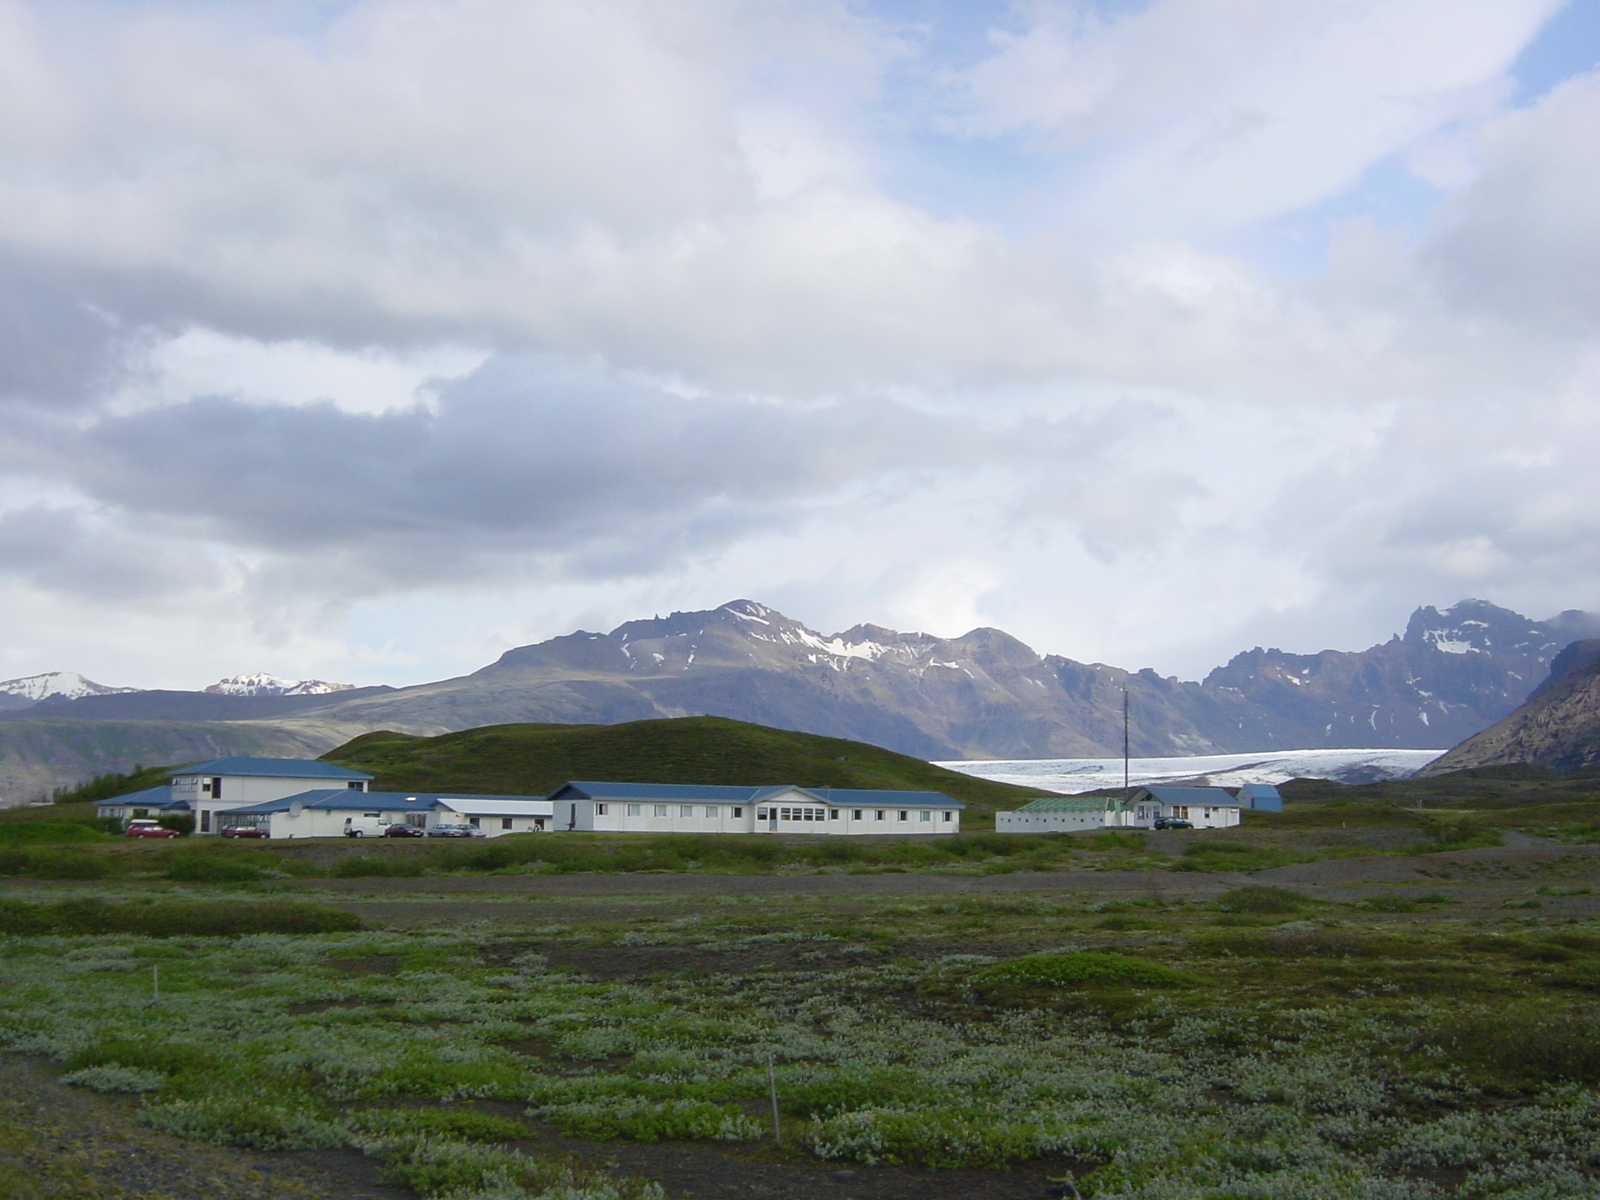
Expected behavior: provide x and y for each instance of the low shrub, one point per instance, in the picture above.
(1261, 900)
(632, 1119)
(459, 1171)
(942, 1140)
(247, 1120)
(214, 919)
(115, 1079)
(67, 864)
(365, 866)
(13, 833)
(1522, 1048)
(149, 1055)
(1295, 941)
(210, 867)
(835, 1094)
(447, 1124)
(1118, 841)
(1085, 967)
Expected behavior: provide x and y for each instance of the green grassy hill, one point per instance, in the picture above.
(532, 760)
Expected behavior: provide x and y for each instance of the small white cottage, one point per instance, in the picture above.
(1202, 807)
(1065, 814)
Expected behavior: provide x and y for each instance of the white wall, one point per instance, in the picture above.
(784, 813)
(242, 791)
(1058, 822)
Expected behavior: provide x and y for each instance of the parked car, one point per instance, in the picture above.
(403, 831)
(1173, 823)
(145, 827)
(467, 831)
(244, 831)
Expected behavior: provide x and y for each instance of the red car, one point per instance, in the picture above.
(403, 831)
(147, 828)
(244, 831)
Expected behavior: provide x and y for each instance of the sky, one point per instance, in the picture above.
(363, 341)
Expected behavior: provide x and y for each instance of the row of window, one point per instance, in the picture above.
(777, 814)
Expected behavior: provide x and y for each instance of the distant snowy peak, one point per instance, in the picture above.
(1478, 627)
(264, 684)
(58, 685)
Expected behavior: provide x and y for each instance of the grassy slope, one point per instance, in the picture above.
(535, 759)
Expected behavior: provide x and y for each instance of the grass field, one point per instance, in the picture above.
(1262, 1045)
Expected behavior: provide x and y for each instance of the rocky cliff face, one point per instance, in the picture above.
(1558, 728)
(987, 695)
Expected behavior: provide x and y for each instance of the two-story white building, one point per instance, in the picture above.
(778, 808)
(214, 790)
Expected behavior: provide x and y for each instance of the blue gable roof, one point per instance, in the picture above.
(279, 768)
(867, 797)
(1190, 795)
(344, 799)
(156, 797)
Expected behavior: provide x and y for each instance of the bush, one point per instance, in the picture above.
(211, 867)
(843, 1093)
(16, 832)
(1261, 900)
(449, 1124)
(364, 866)
(632, 1119)
(67, 864)
(125, 1080)
(237, 1120)
(943, 1140)
(1085, 967)
(1523, 1049)
(216, 919)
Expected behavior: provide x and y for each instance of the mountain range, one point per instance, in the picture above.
(985, 694)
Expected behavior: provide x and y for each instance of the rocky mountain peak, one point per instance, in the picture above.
(263, 683)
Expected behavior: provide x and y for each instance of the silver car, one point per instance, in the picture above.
(468, 831)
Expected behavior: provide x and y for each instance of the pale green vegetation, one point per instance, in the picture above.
(1259, 1048)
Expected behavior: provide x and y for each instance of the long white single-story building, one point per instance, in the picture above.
(332, 812)
(1065, 814)
(1202, 807)
(777, 808)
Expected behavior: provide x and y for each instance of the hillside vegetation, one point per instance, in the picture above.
(533, 760)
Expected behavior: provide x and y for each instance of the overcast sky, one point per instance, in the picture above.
(365, 340)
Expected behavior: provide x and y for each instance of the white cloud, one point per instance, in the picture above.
(315, 331)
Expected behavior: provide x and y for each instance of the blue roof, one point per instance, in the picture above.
(346, 799)
(278, 768)
(156, 797)
(843, 797)
(1258, 789)
(1190, 795)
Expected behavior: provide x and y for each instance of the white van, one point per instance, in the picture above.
(369, 824)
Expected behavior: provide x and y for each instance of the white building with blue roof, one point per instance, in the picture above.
(337, 812)
(777, 808)
(216, 789)
(151, 802)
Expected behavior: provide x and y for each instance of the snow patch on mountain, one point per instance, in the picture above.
(62, 685)
(1209, 770)
(263, 683)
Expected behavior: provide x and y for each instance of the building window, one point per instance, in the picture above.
(599, 810)
(903, 814)
(216, 788)
(880, 814)
(1181, 811)
(947, 814)
(635, 810)
(833, 814)
(505, 822)
(739, 812)
(205, 820)
(925, 815)
(686, 810)
(856, 816)
(711, 810)
(355, 785)
(473, 821)
(205, 787)
(661, 810)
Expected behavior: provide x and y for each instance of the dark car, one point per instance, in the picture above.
(141, 827)
(403, 831)
(467, 831)
(251, 831)
(1172, 823)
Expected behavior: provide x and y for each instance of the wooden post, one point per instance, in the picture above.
(155, 983)
(772, 1087)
